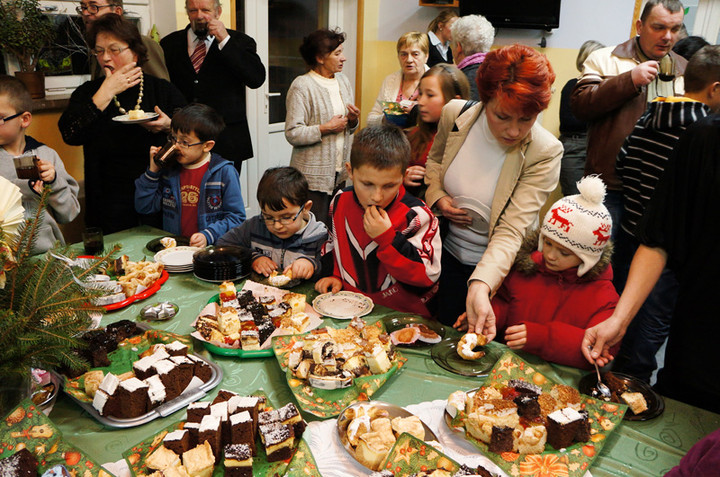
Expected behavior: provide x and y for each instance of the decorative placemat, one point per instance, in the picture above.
(328, 403)
(122, 359)
(302, 462)
(573, 461)
(27, 427)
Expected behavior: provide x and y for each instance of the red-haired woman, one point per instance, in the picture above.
(489, 171)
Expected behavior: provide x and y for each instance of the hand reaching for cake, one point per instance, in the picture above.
(264, 266)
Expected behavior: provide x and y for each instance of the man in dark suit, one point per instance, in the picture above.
(212, 65)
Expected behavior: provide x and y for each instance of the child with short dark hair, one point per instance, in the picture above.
(62, 205)
(385, 242)
(285, 236)
(200, 196)
(561, 283)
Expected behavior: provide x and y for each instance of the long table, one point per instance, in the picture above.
(647, 448)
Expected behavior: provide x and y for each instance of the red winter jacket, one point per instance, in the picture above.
(556, 307)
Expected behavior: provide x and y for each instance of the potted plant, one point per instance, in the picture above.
(43, 310)
(24, 31)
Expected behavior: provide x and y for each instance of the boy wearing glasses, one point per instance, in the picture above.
(62, 205)
(200, 197)
(285, 236)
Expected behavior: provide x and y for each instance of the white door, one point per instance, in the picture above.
(278, 27)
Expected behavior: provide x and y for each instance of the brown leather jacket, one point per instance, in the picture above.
(607, 99)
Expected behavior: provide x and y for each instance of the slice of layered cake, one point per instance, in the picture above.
(221, 410)
(185, 370)
(289, 415)
(238, 460)
(278, 440)
(193, 429)
(501, 439)
(251, 404)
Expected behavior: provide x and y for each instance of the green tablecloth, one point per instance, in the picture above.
(636, 448)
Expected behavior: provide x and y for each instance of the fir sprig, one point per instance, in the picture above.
(43, 310)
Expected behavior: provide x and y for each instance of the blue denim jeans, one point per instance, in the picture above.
(651, 326)
(572, 165)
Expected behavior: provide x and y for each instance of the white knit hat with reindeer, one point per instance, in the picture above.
(580, 222)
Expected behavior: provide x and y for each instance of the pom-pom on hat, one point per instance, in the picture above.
(580, 222)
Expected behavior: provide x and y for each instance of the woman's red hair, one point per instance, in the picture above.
(517, 76)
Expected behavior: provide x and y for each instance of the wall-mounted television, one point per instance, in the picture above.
(530, 14)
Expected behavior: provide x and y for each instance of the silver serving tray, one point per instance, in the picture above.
(162, 410)
(394, 411)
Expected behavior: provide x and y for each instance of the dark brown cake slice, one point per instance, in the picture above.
(583, 430)
(501, 439)
(177, 348)
(250, 404)
(193, 429)
(221, 410)
(21, 464)
(169, 375)
(223, 395)
(197, 410)
(528, 407)
(238, 460)
(185, 371)
(242, 430)
(202, 370)
(178, 441)
(211, 431)
(133, 399)
(278, 440)
(562, 427)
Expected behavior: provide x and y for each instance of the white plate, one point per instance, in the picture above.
(125, 118)
(343, 305)
(177, 257)
(479, 212)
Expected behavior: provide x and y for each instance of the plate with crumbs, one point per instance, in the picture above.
(655, 402)
(343, 305)
(373, 410)
(125, 118)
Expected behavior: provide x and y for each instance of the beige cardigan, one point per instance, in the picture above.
(308, 106)
(530, 172)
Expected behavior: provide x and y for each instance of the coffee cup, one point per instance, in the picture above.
(26, 167)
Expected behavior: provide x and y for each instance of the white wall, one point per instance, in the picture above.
(607, 21)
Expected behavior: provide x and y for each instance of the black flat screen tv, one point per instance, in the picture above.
(530, 14)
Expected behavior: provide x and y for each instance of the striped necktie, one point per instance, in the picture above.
(198, 55)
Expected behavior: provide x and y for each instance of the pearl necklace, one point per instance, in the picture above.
(139, 100)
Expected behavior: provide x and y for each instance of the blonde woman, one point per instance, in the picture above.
(439, 37)
(403, 86)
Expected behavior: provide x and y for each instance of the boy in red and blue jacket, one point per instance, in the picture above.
(385, 242)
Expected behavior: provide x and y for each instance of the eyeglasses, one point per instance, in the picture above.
(182, 143)
(91, 9)
(113, 50)
(282, 220)
(8, 118)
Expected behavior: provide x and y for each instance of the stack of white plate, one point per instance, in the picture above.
(177, 259)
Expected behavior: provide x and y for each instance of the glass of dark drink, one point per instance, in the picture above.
(26, 167)
(93, 240)
(167, 155)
